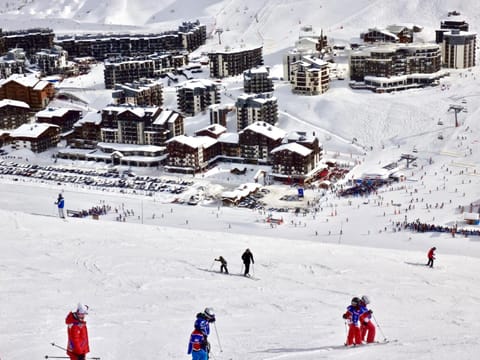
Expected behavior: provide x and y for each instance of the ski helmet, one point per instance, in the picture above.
(365, 299)
(355, 301)
(82, 309)
(209, 312)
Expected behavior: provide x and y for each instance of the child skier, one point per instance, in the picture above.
(367, 327)
(198, 346)
(223, 264)
(354, 311)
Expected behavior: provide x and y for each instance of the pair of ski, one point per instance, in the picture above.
(382, 342)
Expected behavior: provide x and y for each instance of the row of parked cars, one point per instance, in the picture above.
(93, 177)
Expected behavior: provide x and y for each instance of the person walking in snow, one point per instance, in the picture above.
(198, 346)
(352, 315)
(367, 328)
(223, 264)
(60, 205)
(247, 258)
(431, 256)
(77, 347)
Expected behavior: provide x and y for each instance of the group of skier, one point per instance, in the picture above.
(247, 259)
(359, 319)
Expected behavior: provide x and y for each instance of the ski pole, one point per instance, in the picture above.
(213, 263)
(253, 269)
(53, 344)
(218, 337)
(346, 333)
(379, 328)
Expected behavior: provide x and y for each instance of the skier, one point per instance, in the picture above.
(203, 320)
(354, 311)
(77, 346)
(431, 256)
(223, 263)
(60, 205)
(367, 327)
(198, 346)
(247, 257)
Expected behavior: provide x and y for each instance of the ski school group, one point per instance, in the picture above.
(358, 318)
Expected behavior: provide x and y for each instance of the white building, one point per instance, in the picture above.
(310, 76)
(458, 49)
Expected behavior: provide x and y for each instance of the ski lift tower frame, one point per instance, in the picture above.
(409, 158)
(219, 31)
(456, 109)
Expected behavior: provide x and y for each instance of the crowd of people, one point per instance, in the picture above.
(453, 230)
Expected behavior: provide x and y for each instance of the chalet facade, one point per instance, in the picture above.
(293, 160)
(35, 137)
(86, 131)
(293, 56)
(392, 34)
(13, 114)
(256, 107)
(142, 92)
(141, 126)
(257, 80)
(229, 146)
(458, 49)
(234, 62)
(36, 93)
(191, 154)
(62, 117)
(257, 140)
(310, 76)
(195, 96)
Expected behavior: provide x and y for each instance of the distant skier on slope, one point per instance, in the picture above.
(353, 314)
(223, 264)
(367, 327)
(247, 258)
(431, 256)
(77, 347)
(60, 205)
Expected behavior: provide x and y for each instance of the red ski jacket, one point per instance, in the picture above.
(77, 336)
(431, 254)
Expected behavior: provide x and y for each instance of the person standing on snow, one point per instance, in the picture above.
(60, 205)
(223, 264)
(367, 327)
(203, 320)
(77, 347)
(431, 256)
(247, 258)
(198, 346)
(354, 311)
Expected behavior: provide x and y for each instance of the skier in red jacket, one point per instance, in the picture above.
(367, 327)
(353, 314)
(77, 347)
(431, 256)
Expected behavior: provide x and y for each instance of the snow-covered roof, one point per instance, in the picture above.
(90, 117)
(16, 103)
(216, 129)
(52, 112)
(130, 147)
(166, 116)
(194, 142)
(241, 191)
(229, 137)
(293, 147)
(137, 110)
(31, 130)
(198, 83)
(266, 129)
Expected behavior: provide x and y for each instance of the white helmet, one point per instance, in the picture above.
(365, 299)
(82, 309)
(209, 312)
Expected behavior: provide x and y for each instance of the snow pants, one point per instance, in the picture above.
(247, 268)
(199, 355)
(369, 330)
(354, 336)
